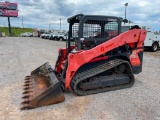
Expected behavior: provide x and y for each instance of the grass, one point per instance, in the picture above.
(16, 31)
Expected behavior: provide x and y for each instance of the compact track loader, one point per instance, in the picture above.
(98, 58)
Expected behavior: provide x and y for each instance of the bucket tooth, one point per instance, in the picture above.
(27, 84)
(26, 91)
(26, 88)
(26, 106)
(26, 102)
(27, 77)
(26, 96)
(27, 81)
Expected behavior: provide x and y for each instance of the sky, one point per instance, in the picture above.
(47, 14)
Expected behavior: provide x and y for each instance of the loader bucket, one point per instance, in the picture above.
(41, 88)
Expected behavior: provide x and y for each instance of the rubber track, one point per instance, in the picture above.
(95, 71)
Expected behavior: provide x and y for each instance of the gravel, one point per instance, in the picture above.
(19, 56)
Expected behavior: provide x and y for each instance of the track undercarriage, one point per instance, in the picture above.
(111, 75)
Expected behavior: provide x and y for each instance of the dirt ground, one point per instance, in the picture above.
(19, 56)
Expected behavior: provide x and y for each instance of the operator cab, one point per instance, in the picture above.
(88, 31)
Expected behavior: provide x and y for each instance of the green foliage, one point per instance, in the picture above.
(16, 31)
